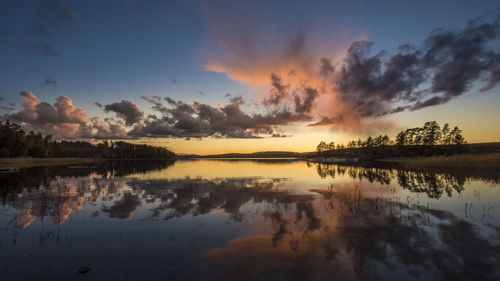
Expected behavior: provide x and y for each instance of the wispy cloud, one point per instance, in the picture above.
(51, 17)
(49, 81)
(348, 87)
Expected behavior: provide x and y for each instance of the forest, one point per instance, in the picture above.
(430, 134)
(430, 139)
(14, 142)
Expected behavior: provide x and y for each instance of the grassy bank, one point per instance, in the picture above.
(19, 162)
(477, 162)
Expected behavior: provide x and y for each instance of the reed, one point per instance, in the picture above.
(478, 162)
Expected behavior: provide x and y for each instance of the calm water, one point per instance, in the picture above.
(247, 220)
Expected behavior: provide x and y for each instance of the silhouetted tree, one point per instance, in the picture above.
(331, 146)
(445, 134)
(456, 136)
(322, 146)
(431, 133)
(15, 143)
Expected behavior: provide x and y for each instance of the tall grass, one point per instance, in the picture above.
(477, 162)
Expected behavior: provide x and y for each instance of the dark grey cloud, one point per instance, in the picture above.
(304, 104)
(98, 104)
(127, 110)
(237, 100)
(125, 207)
(279, 91)
(302, 99)
(49, 81)
(459, 58)
(369, 86)
(326, 67)
(171, 101)
(173, 81)
(326, 121)
(426, 103)
(199, 120)
(450, 61)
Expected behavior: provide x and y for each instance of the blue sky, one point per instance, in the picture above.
(121, 50)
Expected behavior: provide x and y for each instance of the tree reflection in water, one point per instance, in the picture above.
(356, 238)
(352, 230)
(434, 184)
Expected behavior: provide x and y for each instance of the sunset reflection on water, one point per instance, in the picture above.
(275, 220)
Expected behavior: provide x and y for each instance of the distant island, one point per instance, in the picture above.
(426, 147)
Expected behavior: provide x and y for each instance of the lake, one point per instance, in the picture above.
(246, 220)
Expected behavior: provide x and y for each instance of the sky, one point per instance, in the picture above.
(211, 77)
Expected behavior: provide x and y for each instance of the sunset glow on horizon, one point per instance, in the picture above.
(215, 77)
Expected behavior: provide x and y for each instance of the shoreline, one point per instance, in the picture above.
(486, 161)
(478, 162)
(24, 162)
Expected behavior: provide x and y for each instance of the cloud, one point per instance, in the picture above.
(305, 104)
(279, 92)
(98, 104)
(44, 50)
(347, 87)
(250, 41)
(127, 110)
(326, 67)
(109, 129)
(50, 81)
(62, 119)
(51, 16)
(19, 40)
(350, 92)
(124, 208)
(199, 120)
(10, 106)
(450, 61)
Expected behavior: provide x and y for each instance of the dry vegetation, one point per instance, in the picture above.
(477, 162)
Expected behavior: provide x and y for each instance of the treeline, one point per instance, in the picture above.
(428, 135)
(14, 142)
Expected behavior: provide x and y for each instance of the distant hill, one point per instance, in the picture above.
(365, 153)
(262, 154)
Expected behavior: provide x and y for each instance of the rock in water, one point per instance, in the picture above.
(83, 269)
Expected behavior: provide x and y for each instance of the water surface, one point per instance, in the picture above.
(247, 220)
